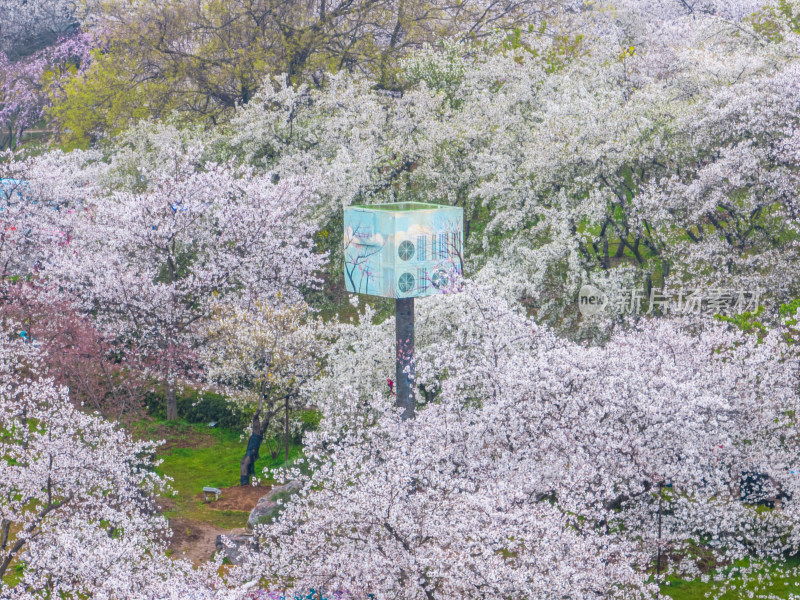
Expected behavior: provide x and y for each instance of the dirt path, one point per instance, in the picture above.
(194, 540)
(243, 498)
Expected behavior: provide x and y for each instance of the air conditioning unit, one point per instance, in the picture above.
(402, 250)
(406, 285)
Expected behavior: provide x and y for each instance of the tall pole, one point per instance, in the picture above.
(658, 553)
(404, 360)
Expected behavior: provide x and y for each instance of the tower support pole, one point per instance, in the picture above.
(404, 359)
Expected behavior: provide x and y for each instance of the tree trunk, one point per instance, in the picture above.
(247, 467)
(172, 402)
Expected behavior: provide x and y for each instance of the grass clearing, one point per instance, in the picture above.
(764, 583)
(196, 456)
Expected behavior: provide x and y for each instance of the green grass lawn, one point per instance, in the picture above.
(195, 456)
(777, 587)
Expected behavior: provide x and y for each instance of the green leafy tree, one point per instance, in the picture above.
(203, 58)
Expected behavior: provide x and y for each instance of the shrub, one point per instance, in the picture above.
(310, 419)
(197, 406)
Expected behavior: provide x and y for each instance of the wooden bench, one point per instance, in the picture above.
(211, 490)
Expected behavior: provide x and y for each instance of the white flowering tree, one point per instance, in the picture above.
(162, 241)
(37, 195)
(645, 145)
(263, 356)
(77, 507)
(28, 26)
(652, 145)
(536, 466)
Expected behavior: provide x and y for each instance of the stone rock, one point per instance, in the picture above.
(234, 544)
(268, 506)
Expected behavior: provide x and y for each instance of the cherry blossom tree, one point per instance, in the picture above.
(733, 221)
(38, 196)
(588, 147)
(650, 145)
(77, 512)
(33, 24)
(150, 260)
(98, 375)
(28, 85)
(263, 356)
(537, 466)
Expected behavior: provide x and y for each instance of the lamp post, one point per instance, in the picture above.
(402, 250)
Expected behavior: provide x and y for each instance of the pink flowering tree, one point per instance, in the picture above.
(27, 85)
(78, 356)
